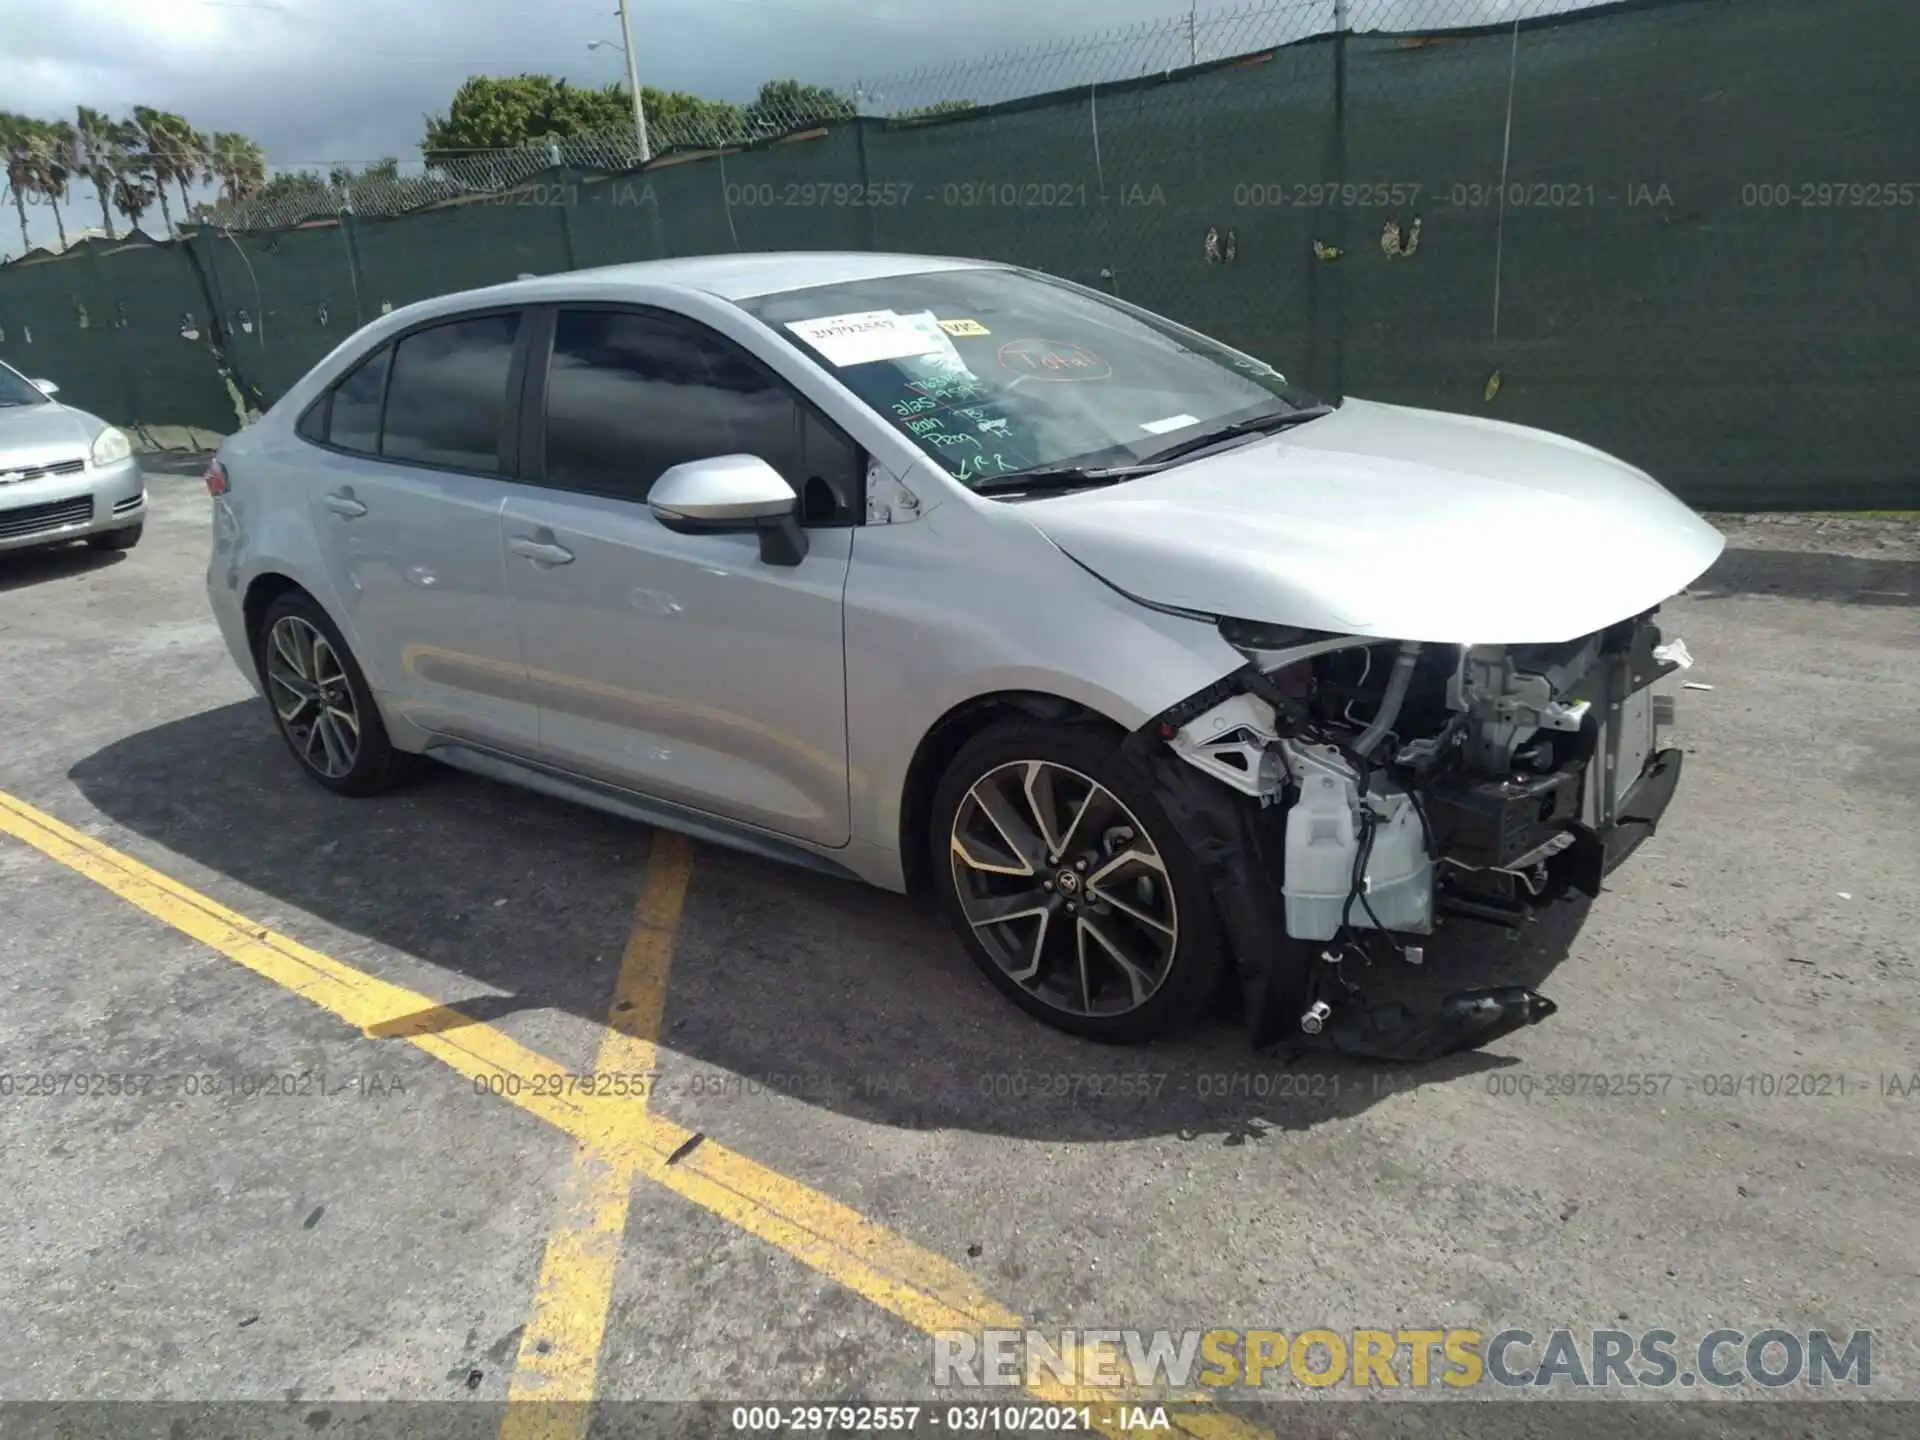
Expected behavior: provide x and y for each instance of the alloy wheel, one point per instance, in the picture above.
(308, 686)
(1064, 888)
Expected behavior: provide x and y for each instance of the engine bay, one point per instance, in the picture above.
(1422, 779)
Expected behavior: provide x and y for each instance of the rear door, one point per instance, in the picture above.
(406, 496)
(681, 666)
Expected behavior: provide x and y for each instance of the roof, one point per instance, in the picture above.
(726, 277)
(742, 277)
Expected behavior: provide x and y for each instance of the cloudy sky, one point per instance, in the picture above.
(319, 82)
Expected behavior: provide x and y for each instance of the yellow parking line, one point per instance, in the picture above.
(640, 992)
(372, 1005)
(559, 1362)
(925, 1290)
(550, 1395)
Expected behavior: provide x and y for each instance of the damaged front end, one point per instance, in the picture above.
(1364, 789)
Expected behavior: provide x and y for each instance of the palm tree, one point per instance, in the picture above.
(239, 164)
(52, 151)
(16, 149)
(166, 147)
(133, 192)
(192, 161)
(97, 156)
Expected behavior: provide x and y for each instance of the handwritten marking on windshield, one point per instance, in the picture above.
(995, 425)
(1053, 360)
(976, 467)
(950, 388)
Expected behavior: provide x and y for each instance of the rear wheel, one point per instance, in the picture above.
(124, 538)
(1068, 886)
(321, 701)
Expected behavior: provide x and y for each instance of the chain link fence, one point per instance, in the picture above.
(1675, 229)
(480, 173)
(1156, 48)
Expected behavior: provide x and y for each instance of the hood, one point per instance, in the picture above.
(1397, 523)
(44, 434)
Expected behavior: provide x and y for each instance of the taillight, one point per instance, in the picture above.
(216, 478)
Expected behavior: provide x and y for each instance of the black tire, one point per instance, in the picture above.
(125, 538)
(1191, 978)
(376, 766)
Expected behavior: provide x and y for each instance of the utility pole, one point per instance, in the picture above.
(633, 84)
(1193, 33)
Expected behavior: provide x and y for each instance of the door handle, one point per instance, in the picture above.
(342, 503)
(541, 552)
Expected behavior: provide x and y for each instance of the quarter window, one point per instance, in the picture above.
(353, 414)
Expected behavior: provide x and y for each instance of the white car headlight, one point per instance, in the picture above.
(111, 446)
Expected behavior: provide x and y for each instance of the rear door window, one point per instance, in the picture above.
(447, 398)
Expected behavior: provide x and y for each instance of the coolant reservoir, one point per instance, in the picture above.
(1323, 840)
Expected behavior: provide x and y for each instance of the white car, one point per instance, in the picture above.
(948, 575)
(64, 474)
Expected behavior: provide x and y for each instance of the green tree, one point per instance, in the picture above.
(512, 113)
(783, 105)
(676, 118)
(379, 179)
(304, 192)
(379, 175)
(508, 113)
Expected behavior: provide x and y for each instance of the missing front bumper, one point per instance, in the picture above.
(1470, 1019)
(1510, 846)
(1641, 809)
(1586, 858)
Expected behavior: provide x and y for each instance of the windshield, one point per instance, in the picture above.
(1004, 372)
(15, 389)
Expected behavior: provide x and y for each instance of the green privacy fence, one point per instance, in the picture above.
(1679, 230)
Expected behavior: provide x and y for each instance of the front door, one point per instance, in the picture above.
(682, 666)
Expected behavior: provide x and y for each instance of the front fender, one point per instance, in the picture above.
(953, 608)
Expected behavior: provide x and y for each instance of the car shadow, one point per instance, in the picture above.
(182, 464)
(21, 568)
(783, 980)
(1807, 575)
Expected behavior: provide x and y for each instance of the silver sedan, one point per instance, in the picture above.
(64, 474)
(956, 577)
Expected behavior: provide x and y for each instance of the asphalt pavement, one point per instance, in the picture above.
(851, 1143)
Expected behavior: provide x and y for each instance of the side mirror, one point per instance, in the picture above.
(46, 387)
(732, 494)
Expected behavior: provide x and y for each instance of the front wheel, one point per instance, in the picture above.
(1068, 885)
